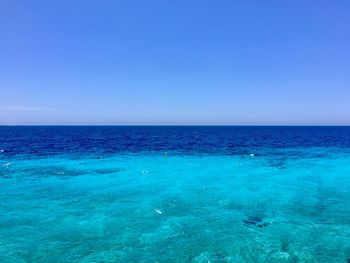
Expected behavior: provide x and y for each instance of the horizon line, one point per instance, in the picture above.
(174, 125)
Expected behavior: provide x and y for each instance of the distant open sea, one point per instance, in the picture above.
(174, 194)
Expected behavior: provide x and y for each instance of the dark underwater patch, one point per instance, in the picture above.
(48, 171)
(255, 221)
(5, 176)
(107, 170)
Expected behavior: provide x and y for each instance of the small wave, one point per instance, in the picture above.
(158, 211)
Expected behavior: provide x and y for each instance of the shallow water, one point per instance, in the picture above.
(213, 197)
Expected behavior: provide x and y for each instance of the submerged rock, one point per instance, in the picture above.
(255, 221)
(6, 176)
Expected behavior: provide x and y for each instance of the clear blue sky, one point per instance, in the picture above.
(174, 62)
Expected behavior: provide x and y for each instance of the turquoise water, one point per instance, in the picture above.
(274, 205)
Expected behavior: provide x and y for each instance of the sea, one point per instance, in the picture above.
(174, 194)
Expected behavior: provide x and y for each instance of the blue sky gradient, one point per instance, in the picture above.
(175, 62)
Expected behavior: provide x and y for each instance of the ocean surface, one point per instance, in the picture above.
(175, 194)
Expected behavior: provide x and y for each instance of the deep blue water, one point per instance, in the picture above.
(46, 140)
(175, 194)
